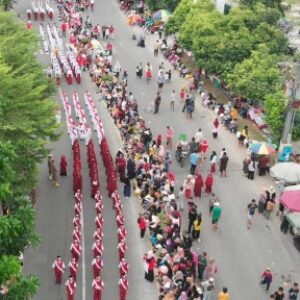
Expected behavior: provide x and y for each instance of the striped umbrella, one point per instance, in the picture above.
(262, 148)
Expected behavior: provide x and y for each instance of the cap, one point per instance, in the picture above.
(211, 279)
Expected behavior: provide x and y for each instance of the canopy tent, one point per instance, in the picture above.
(288, 172)
(294, 219)
(291, 200)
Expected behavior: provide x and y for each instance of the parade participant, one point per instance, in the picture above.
(99, 207)
(251, 208)
(77, 221)
(69, 76)
(123, 267)
(122, 248)
(42, 14)
(209, 183)
(98, 234)
(215, 128)
(223, 164)
(94, 187)
(266, 278)
(78, 196)
(123, 287)
(99, 221)
(92, 2)
(150, 265)
(28, 13)
(98, 286)
(121, 233)
(77, 234)
(75, 250)
(71, 288)
(111, 31)
(157, 102)
(73, 267)
(198, 185)
(97, 265)
(120, 220)
(63, 166)
(204, 147)
(77, 209)
(188, 186)
(58, 267)
(28, 25)
(215, 215)
(51, 13)
(97, 247)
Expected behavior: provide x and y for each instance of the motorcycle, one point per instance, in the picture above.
(181, 155)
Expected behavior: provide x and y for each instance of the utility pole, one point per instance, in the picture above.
(293, 103)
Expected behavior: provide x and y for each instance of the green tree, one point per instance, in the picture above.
(257, 76)
(154, 5)
(6, 4)
(275, 107)
(14, 285)
(18, 228)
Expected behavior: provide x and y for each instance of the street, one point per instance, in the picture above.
(241, 254)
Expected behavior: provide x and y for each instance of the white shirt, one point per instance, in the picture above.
(198, 137)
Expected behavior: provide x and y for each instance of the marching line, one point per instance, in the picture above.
(83, 259)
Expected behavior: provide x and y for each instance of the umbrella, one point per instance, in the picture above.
(294, 219)
(292, 188)
(291, 200)
(163, 15)
(287, 172)
(262, 148)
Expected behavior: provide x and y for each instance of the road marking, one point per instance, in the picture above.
(83, 260)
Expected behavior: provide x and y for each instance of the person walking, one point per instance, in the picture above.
(251, 168)
(198, 137)
(212, 161)
(54, 173)
(150, 265)
(180, 199)
(98, 286)
(279, 294)
(223, 164)
(172, 100)
(215, 215)
(73, 267)
(156, 48)
(269, 208)
(294, 291)
(169, 137)
(71, 288)
(194, 158)
(208, 286)
(49, 162)
(58, 267)
(251, 208)
(266, 278)
(160, 80)
(157, 102)
(123, 287)
(202, 263)
(63, 166)
(209, 183)
(127, 187)
(223, 295)
(198, 185)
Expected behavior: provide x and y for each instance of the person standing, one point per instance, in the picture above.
(157, 102)
(169, 137)
(71, 288)
(202, 263)
(279, 294)
(251, 168)
(198, 186)
(98, 286)
(150, 265)
(142, 225)
(127, 187)
(75, 250)
(223, 164)
(251, 208)
(212, 161)
(58, 267)
(266, 278)
(198, 137)
(224, 294)
(294, 291)
(63, 166)
(172, 100)
(160, 80)
(208, 286)
(194, 158)
(123, 267)
(122, 248)
(209, 183)
(156, 48)
(192, 217)
(197, 227)
(216, 214)
(49, 162)
(54, 173)
(97, 266)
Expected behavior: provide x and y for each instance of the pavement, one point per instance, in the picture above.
(241, 254)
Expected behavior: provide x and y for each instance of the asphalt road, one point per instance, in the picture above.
(241, 254)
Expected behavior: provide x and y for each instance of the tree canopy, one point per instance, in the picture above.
(27, 124)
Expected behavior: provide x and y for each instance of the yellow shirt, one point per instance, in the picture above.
(223, 296)
(197, 225)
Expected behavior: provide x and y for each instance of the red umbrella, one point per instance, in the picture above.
(291, 200)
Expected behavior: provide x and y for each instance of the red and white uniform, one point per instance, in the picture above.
(59, 268)
(99, 207)
(122, 248)
(78, 196)
(75, 250)
(99, 221)
(98, 196)
(77, 234)
(73, 267)
(120, 220)
(77, 221)
(98, 234)
(71, 289)
(98, 286)
(28, 14)
(123, 267)
(121, 233)
(97, 265)
(123, 287)
(77, 209)
(97, 248)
